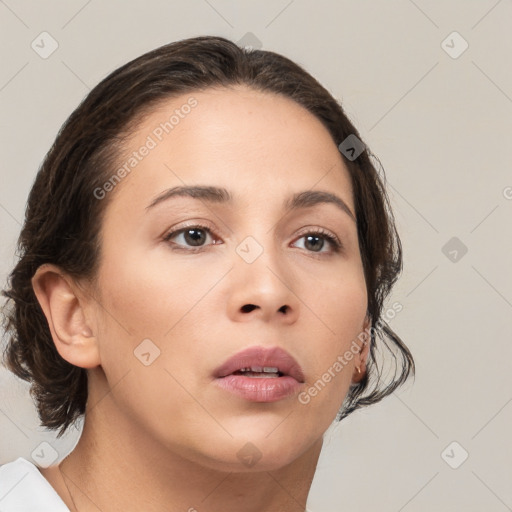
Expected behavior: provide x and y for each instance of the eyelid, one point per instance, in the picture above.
(330, 237)
(172, 232)
(320, 231)
(337, 247)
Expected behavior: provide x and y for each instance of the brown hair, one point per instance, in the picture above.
(63, 217)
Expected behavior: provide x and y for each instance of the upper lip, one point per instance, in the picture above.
(262, 356)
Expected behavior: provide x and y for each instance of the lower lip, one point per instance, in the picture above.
(263, 389)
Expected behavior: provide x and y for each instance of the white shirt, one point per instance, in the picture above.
(24, 489)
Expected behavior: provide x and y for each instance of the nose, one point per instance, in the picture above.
(263, 289)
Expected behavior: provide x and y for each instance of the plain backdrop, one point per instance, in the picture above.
(429, 86)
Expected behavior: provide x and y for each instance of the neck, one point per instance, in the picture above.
(116, 466)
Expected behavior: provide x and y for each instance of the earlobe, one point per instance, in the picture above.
(362, 357)
(65, 311)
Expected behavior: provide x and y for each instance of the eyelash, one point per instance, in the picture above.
(333, 240)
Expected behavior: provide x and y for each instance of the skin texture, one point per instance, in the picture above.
(164, 436)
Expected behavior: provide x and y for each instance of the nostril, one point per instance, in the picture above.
(248, 308)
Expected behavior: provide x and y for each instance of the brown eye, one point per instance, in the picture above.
(315, 241)
(191, 236)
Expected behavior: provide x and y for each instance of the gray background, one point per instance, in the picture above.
(439, 118)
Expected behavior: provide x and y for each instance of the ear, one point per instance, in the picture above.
(362, 357)
(65, 310)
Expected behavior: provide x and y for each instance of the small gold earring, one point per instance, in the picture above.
(358, 369)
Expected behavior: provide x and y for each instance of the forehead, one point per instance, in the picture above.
(237, 138)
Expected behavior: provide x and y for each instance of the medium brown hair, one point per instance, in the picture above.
(63, 217)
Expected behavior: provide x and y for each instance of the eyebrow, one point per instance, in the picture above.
(305, 199)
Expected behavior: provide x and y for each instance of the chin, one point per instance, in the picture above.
(254, 453)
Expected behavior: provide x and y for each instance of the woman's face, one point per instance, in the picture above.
(174, 304)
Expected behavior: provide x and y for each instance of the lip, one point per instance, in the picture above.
(261, 356)
(261, 389)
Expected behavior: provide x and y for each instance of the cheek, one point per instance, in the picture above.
(148, 314)
(340, 303)
(341, 307)
(150, 297)
(149, 293)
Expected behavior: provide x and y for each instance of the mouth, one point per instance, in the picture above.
(260, 374)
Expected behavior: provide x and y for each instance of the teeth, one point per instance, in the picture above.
(259, 369)
(259, 372)
(263, 375)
